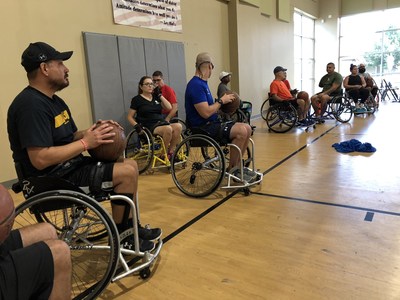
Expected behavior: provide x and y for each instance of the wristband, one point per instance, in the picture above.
(85, 146)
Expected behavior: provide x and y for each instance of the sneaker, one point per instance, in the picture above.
(250, 172)
(237, 174)
(319, 121)
(149, 234)
(129, 243)
(360, 110)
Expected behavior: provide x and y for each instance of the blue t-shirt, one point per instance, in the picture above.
(197, 91)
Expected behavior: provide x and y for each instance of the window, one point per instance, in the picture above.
(304, 54)
(373, 39)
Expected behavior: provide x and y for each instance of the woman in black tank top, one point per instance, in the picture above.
(355, 86)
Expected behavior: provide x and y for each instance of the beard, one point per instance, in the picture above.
(59, 84)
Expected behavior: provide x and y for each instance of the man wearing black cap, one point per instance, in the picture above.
(279, 92)
(45, 140)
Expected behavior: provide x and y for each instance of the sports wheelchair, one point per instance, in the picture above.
(339, 107)
(148, 150)
(282, 116)
(368, 107)
(83, 221)
(199, 165)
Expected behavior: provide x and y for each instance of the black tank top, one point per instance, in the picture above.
(354, 80)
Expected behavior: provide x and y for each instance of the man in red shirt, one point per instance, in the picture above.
(280, 92)
(168, 94)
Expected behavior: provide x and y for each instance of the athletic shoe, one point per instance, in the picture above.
(249, 172)
(237, 174)
(319, 120)
(129, 243)
(149, 234)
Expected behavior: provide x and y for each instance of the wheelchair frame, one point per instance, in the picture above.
(89, 230)
(203, 168)
(149, 151)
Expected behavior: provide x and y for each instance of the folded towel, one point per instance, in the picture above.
(353, 145)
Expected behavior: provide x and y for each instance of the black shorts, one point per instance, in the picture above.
(92, 176)
(219, 131)
(25, 273)
(293, 102)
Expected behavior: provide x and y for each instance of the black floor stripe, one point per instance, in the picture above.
(200, 216)
(210, 209)
(370, 210)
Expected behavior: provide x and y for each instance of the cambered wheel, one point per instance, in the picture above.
(342, 109)
(204, 166)
(77, 217)
(281, 117)
(139, 147)
(264, 109)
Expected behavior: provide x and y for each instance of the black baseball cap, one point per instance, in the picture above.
(278, 69)
(39, 52)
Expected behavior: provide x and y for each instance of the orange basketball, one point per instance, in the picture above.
(6, 213)
(231, 107)
(112, 151)
(302, 95)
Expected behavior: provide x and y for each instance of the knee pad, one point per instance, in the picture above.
(96, 178)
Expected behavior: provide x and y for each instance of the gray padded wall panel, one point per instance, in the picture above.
(156, 57)
(132, 64)
(102, 60)
(177, 73)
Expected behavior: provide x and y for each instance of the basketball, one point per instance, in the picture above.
(6, 213)
(112, 151)
(231, 107)
(302, 95)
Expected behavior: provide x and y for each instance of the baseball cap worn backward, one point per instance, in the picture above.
(224, 74)
(202, 58)
(39, 52)
(278, 69)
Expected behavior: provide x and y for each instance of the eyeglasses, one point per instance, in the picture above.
(148, 84)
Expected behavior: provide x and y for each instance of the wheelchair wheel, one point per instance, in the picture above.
(281, 117)
(264, 109)
(342, 109)
(204, 168)
(75, 217)
(240, 116)
(139, 147)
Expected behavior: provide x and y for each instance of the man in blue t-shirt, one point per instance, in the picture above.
(202, 111)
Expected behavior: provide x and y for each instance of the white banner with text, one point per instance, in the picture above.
(153, 14)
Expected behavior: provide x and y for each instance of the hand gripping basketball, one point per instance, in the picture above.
(111, 151)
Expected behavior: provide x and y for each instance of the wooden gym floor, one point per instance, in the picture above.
(323, 225)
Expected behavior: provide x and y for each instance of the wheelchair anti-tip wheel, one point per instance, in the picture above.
(203, 169)
(139, 147)
(77, 218)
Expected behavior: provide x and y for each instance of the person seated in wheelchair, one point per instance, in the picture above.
(145, 110)
(331, 84)
(45, 140)
(34, 263)
(355, 86)
(279, 92)
(168, 92)
(369, 81)
(202, 112)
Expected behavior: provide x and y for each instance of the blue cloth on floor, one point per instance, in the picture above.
(353, 145)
